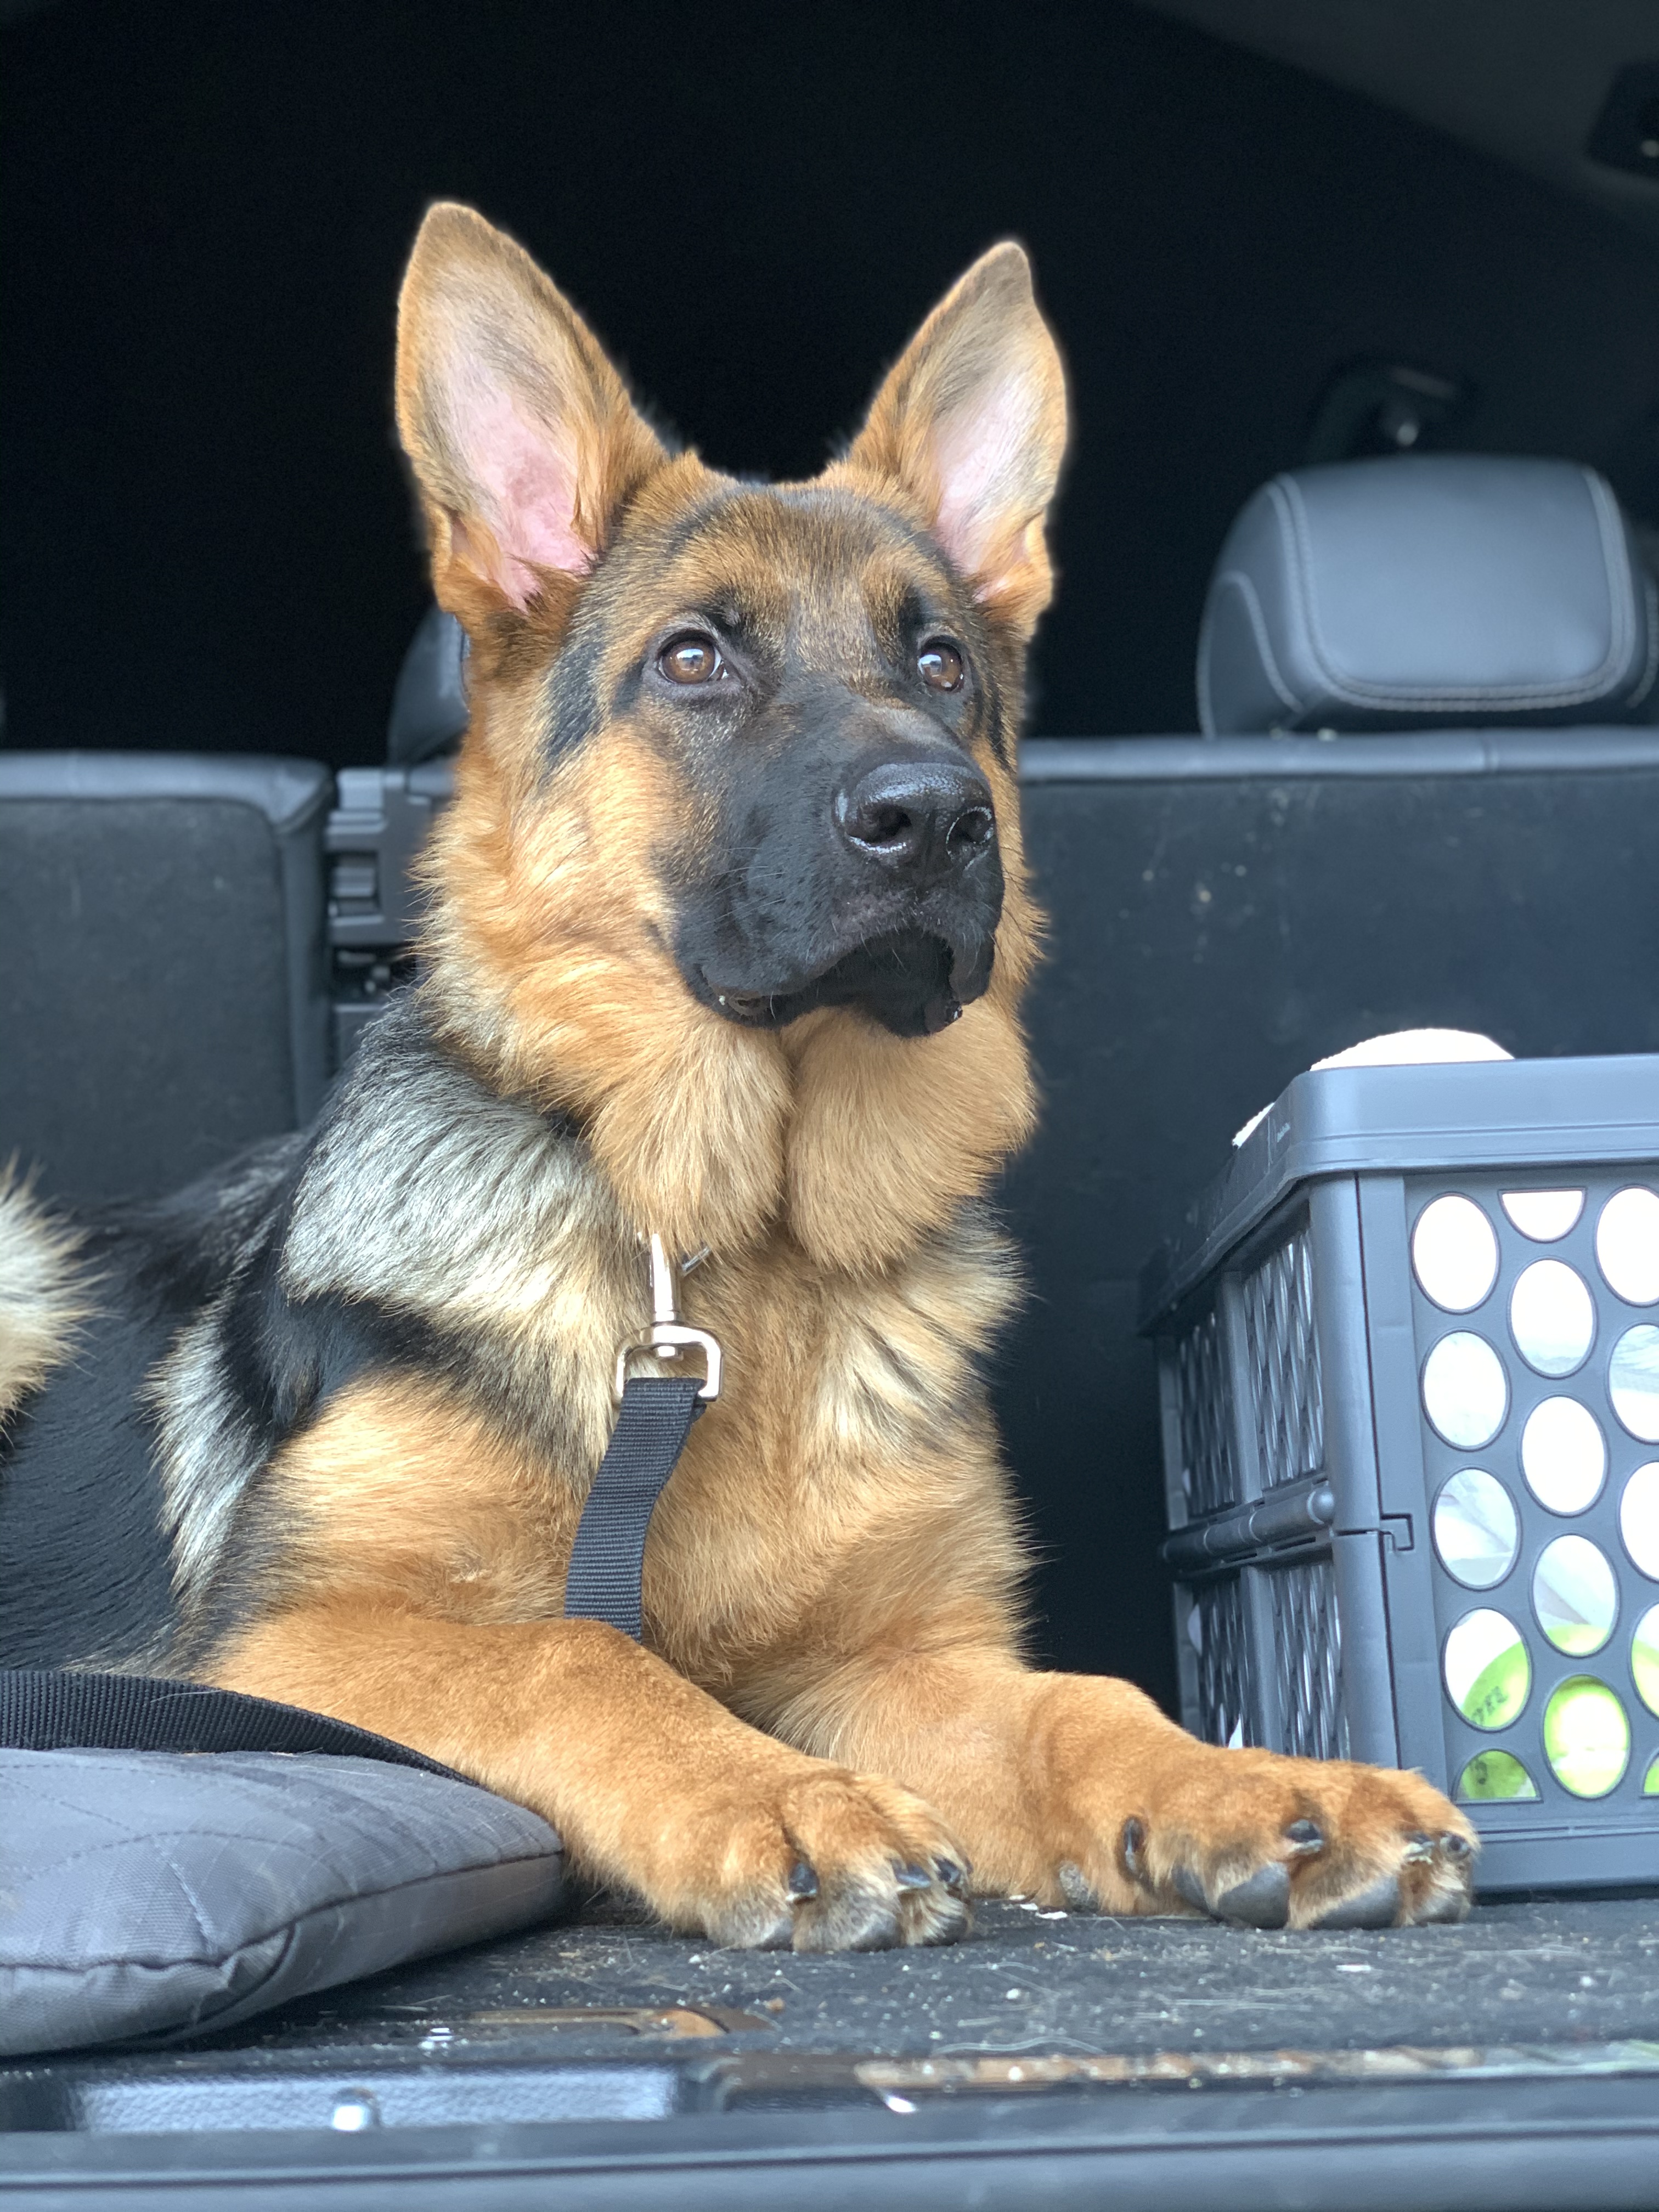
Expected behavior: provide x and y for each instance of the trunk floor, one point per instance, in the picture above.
(1574, 1973)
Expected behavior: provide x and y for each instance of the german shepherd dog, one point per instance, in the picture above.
(729, 924)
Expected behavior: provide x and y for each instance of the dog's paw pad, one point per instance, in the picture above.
(1377, 1905)
(1075, 1886)
(829, 1861)
(1262, 1901)
(1269, 1842)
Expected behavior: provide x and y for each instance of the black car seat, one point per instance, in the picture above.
(1428, 592)
(163, 980)
(429, 704)
(1426, 795)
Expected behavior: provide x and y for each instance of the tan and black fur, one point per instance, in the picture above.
(700, 962)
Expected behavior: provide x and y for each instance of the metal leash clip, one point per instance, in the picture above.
(668, 1335)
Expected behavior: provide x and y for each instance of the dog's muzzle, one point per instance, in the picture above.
(890, 904)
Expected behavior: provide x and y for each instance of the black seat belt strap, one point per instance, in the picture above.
(653, 1419)
(46, 1709)
(608, 1558)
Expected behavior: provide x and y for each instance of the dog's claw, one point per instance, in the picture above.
(803, 1883)
(912, 1877)
(1305, 1837)
(951, 1876)
(1375, 1907)
(1134, 1842)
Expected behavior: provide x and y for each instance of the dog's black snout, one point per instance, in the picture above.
(925, 817)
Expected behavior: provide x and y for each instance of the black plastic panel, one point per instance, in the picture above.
(162, 995)
(1222, 913)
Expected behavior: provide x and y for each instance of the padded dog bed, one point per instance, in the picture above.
(155, 1895)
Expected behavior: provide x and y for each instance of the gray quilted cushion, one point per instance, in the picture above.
(146, 1893)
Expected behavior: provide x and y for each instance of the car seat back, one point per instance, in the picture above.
(163, 986)
(1424, 592)
(1466, 842)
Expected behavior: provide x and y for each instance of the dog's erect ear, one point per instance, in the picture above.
(523, 439)
(971, 424)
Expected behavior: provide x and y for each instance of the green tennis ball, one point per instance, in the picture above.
(1644, 1658)
(1493, 1776)
(1499, 1691)
(1586, 1736)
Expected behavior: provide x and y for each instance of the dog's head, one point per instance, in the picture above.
(738, 800)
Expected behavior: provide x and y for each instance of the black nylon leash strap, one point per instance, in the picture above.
(42, 1708)
(607, 1559)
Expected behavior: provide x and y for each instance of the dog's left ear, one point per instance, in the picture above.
(971, 425)
(523, 439)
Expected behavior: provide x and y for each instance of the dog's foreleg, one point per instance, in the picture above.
(1076, 1790)
(653, 1783)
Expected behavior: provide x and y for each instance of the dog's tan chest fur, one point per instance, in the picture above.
(847, 1470)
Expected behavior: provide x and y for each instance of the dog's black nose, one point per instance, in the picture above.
(925, 818)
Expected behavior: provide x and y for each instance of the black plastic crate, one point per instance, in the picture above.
(1408, 1350)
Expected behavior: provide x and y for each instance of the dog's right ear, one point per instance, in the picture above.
(523, 440)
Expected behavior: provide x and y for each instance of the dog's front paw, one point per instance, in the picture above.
(819, 1859)
(1271, 1842)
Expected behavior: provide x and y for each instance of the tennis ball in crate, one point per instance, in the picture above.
(1644, 1658)
(1586, 1736)
(1492, 1777)
(1488, 1671)
(1498, 1691)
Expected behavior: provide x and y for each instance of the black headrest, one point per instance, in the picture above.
(428, 706)
(1424, 590)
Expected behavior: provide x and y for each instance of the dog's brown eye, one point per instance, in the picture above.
(940, 664)
(692, 659)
